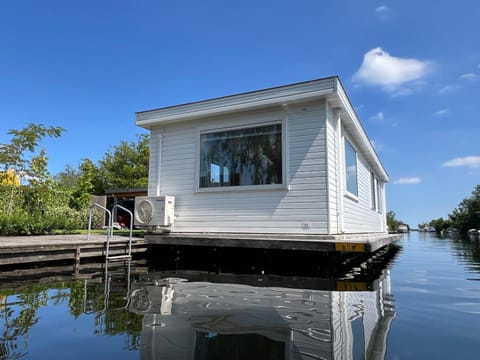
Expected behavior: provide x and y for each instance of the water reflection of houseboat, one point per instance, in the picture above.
(473, 233)
(199, 319)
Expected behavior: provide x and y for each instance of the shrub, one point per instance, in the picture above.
(21, 223)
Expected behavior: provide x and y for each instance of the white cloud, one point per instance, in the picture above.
(441, 112)
(398, 76)
(408, 181)
(468, 161)
(447, 89)
(404, 91)
(468, 76)
(382, 12)
(382, 9)
(378, 116)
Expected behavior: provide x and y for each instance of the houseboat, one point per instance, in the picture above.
(285, 167)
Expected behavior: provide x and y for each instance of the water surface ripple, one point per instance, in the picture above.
(425, 304)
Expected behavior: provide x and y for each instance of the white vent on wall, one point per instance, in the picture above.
(154, 211)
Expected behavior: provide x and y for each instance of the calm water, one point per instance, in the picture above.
(423, 304)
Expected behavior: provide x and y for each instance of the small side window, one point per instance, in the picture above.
(380, 196)
(351, 168)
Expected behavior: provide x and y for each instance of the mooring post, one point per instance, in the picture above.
(77, 260)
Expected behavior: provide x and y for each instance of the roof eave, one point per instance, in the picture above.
(278, 96)
(367, 149)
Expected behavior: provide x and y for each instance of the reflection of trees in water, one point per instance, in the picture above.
(117, 320)
(468, 248)
(19, 313)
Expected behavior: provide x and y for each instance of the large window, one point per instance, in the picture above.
(241, 157)
(351, 168)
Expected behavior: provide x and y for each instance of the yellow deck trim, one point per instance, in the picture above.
(351, 247)
(351, 286)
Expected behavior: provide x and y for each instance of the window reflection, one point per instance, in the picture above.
(241, 157)
(351, 168)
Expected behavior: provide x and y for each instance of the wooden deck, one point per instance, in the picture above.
(25, 250)
(356, 243)
(15, 250)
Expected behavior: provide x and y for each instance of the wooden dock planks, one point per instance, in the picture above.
(17, 250)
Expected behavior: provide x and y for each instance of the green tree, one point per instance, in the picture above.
(14, 155)
(467, 215)
(440, 224)
(68, 178)
(41, 186)
(126, 165)
(81, 183)
(19, 156)
(392, 221)
(89, 182)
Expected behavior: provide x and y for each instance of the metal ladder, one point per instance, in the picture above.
(108, 283)
(110, 230)
(107, 277)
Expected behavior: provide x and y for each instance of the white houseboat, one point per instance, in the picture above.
(275, 168)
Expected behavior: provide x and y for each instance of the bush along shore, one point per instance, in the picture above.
(32, 202)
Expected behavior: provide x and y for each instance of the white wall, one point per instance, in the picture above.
(301, 208)
(313, 202)
(358, 215)
(334, 157)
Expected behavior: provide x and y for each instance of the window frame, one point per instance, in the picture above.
(380, 191)
(373, 192)
(348, 193)
(235, 188)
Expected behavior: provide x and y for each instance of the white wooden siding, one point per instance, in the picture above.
(332, 171)
(155, 159)
(359, 217)
(300, 208)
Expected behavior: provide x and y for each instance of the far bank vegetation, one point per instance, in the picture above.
(464, 217)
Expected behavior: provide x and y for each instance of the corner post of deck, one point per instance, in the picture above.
(77, 259)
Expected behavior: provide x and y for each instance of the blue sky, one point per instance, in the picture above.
(410, 68)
